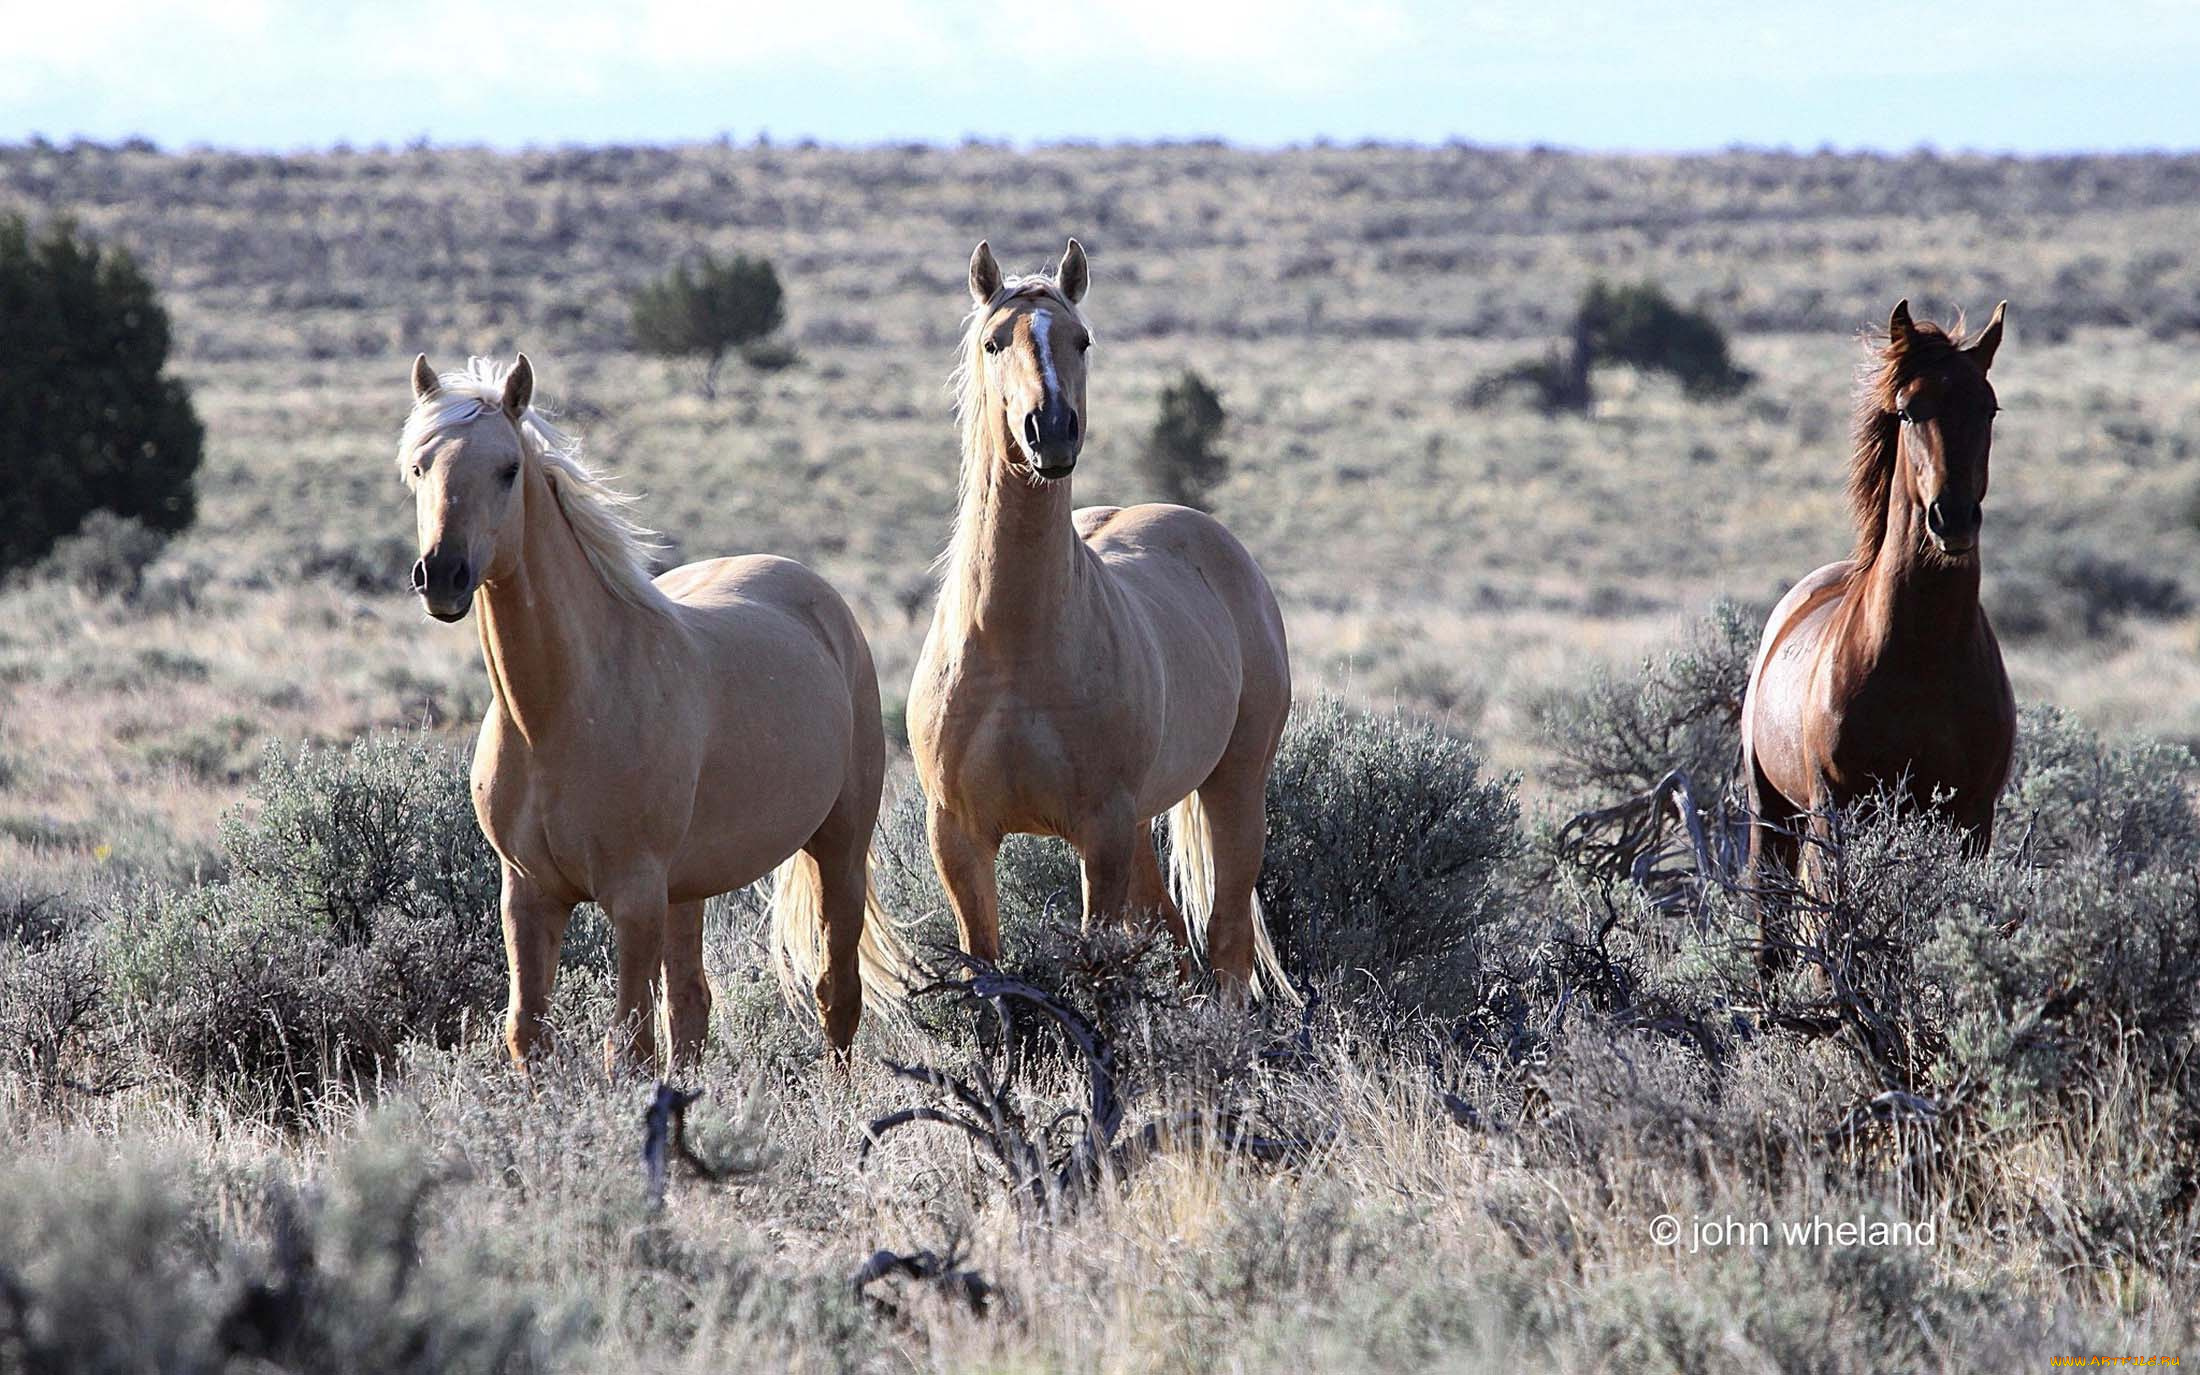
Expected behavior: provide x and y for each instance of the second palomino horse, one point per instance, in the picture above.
(1087, 671)
(649, 742)
(1881, 671)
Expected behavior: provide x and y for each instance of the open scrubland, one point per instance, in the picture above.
(249, 978)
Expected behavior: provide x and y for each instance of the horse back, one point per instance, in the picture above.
(763, 594)
(1189, 573)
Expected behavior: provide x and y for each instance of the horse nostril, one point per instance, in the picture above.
(1075, 422)
(420, 575)
(1031, 429)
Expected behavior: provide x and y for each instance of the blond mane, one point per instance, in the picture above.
(618, 547)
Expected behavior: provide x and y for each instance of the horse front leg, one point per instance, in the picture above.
(638, 914)
(1106, 846)
(686, 987)
(534, 933)
(965, 858)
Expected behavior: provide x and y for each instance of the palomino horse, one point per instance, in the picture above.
(649, 743)
(1089, 670)
(1881, 671)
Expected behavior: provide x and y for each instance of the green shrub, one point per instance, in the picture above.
(360, 914)
(1180, 460)
(381, 831)
(703, 309)
(1616, 736)
(88, 421)
(1385, 843)
(2071, 793)
(106, 557)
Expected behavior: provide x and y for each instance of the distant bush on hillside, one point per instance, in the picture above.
(2071, 592)
(1637, 325)
(706, 308)
(1180, 459)
(88, 421)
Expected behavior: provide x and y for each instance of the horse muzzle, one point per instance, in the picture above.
(1954, 525)
(1052, 438)
(445, 585)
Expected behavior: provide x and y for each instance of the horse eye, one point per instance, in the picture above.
(511, 474)
(992, 346)
(1084, 345)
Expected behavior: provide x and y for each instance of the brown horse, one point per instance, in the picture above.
(649, 743)
(1881, 672)
(1088, 670)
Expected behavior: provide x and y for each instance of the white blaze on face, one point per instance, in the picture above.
(1041, 322)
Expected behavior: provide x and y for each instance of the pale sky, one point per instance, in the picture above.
(265, 74)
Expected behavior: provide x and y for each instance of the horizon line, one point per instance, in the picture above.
(765, 140)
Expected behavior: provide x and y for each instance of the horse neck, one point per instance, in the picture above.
(1015, 566)
(1915, 605)
(548, 624)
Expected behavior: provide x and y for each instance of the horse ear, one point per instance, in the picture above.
(1074, 274)
(1898, 324)
(424, 380)
(985, 274)
(519, 387)
(1989, 339)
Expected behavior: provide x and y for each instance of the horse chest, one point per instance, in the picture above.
(574, 841)
(1941, 729)
(1025, 753)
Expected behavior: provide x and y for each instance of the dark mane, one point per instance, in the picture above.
(1871, 468)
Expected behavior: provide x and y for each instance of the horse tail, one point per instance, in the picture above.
(1192, 884)
(887, 967)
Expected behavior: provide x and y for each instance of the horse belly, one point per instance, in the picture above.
(1201, 682)
(1786, 690)
(767, 784)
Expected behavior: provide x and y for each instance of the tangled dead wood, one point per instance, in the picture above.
(944, 1273)
(1058, 1163)
(664, 1140)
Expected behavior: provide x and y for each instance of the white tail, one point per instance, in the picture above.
(1192, 884)
(887, 967)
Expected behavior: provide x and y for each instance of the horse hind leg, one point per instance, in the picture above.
(844, 882)
(1150, 900)
(686, 988)
(1774, 868)
(1235, 801)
